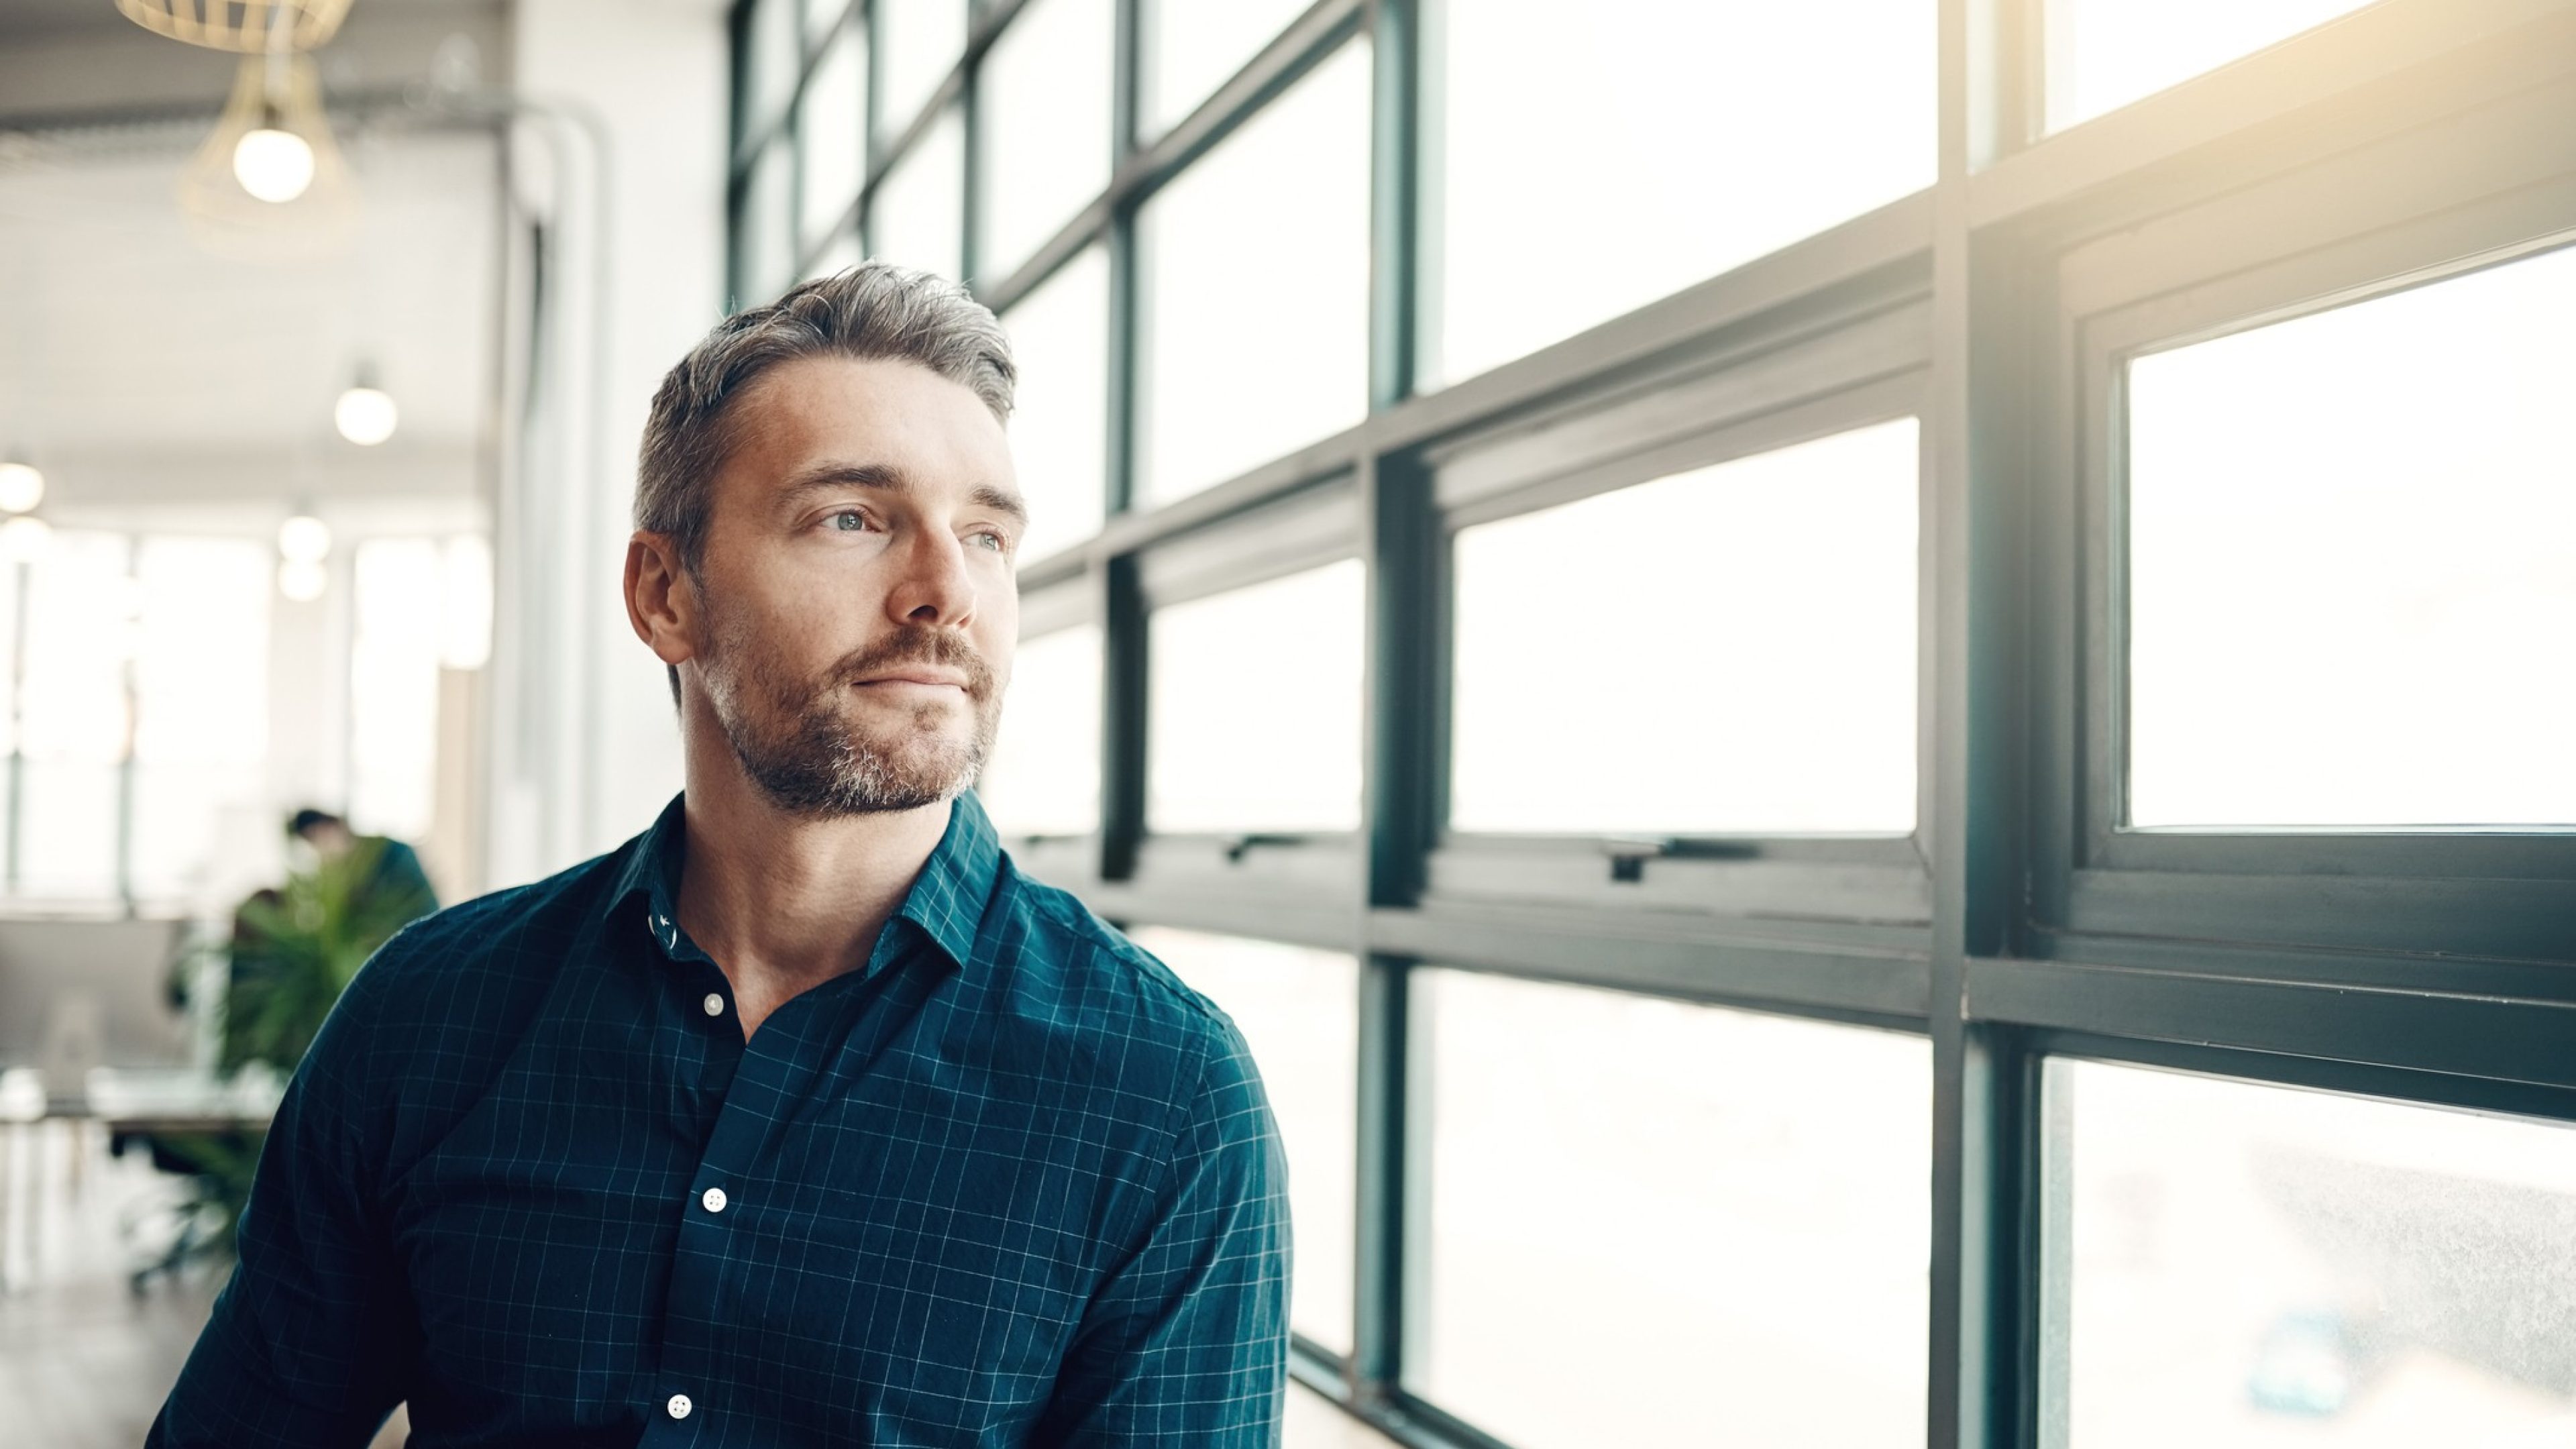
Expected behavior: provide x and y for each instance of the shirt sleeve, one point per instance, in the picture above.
(1187, 1342)
(307, 1343)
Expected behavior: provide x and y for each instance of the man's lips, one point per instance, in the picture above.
(925, 678)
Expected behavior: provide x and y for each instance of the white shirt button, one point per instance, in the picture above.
(713, 1199)
(679, 1406)
(714, 1004)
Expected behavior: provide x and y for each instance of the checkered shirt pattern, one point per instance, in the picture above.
(1011, 1183)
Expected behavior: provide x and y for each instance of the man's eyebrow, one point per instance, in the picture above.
(833, 477)
(1001, 500)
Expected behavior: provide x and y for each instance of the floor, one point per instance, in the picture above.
(85, 1361)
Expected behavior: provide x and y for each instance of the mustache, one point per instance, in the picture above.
(915, 644)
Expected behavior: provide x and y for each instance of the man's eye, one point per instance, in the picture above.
(992, 540)
(849, 520)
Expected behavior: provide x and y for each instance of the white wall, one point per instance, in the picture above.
(584, 746)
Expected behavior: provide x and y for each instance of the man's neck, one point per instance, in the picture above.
(786, 902)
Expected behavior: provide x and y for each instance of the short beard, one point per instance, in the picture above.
(799, 743)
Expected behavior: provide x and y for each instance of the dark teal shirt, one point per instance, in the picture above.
(1011, 1183)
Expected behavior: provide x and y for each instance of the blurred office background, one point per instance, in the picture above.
(1866, 702)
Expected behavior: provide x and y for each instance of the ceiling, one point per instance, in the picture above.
(153, 380)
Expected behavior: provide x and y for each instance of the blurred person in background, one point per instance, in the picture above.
(388, 872)
(804, 1117)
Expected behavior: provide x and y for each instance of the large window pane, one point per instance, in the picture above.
(1656, 1223)
(1256, 313)
(922, 40)
(1194, 46)
(2248, 1266)
(2352, 564)
(1254, 720)
(1299, 1012)
(1044, 777)
(919, 215)
(201, 718)
(1045, 94)
(1729, 650)
(830, 120)
(83, 624)
(2103, 54)
(1060, 416)
(1590, 165)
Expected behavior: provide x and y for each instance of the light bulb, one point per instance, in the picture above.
(21, 487)
(366, 415)
(273, 165)
(304, 539)
(302, 580)
(23, 538)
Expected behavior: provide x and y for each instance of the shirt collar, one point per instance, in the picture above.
(946, 900)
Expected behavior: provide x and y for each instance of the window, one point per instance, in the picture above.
(1298, 1011)
(922, 39)
(1046, 126)
(1255, 716)
(2103, 54)
(1195, 46)
(393, 688)
(830, 124)
(1722, 1213)
(1748, 627)
(84, 613)
(918, 215)
(1044, 778)
(2350, 537)
(1256, 321)
(1588, 168)
(2249, 1264)
(1704, 605)
(202, 827)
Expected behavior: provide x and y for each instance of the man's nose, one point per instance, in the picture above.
(934, 587)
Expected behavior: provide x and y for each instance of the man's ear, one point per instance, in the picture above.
(661, 597)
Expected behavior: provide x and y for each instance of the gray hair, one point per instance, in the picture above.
(875, 310)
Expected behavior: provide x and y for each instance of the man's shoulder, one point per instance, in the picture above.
(478, 953)
(1092, 982)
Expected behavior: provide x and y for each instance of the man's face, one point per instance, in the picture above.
(856, 590)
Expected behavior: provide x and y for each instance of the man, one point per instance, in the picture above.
(390, 883)
(803, 1118)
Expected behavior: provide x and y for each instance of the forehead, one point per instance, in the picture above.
(860, 411)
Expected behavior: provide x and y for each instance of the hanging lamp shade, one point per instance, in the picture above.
(269, 184)
(250, 26)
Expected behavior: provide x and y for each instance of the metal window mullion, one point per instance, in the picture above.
(1395, 199)
(1983, 1115)
(872, 144)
